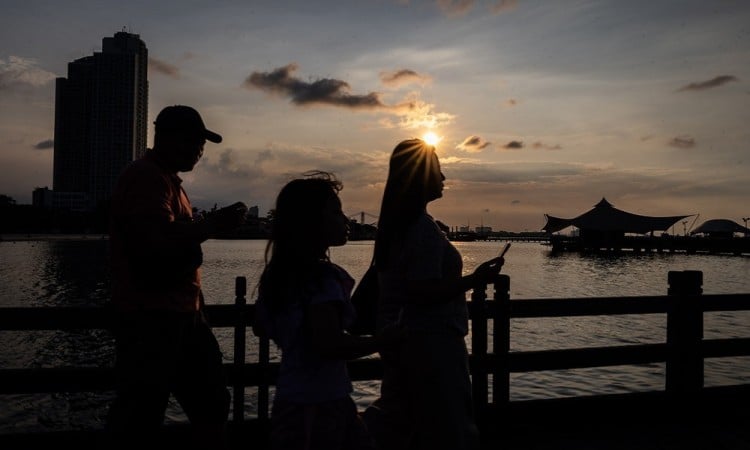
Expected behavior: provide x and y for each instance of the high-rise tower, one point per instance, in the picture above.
(101, 110)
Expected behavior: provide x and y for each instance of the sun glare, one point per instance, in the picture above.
(431, 138)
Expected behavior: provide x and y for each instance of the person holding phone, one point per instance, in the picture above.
(425, 398)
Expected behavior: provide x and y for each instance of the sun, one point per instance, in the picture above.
(431, 138)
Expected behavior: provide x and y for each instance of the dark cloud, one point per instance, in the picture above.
(402, 77)
(515, 202)
(712, 83)
(682, 142)
(473, 144)
(327, 91)
(511, 102)
(44, 145)
(540, 145)
(513, 145)
(163, 68)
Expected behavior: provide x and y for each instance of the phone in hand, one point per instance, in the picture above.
(504, 250)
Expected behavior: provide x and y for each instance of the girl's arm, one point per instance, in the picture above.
(330, 341)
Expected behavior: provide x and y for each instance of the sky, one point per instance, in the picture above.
(541, 107)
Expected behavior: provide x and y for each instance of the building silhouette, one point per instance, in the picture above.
(101, 113)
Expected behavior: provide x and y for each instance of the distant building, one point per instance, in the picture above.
(101, 113)
(41, 198)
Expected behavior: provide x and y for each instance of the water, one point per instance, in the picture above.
(74, 273)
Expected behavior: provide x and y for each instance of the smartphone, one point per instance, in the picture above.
(505, 249)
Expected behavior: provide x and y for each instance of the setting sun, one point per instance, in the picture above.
(431, 138)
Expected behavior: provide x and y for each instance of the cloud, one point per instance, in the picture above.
(511, 102)
(163, 68)
(326, 91)
(515, 202)
(540, 145)
(18, 72)
(263, 156)
(44, 145)
(457, 8)
(403, 76)
(414, 113)
(502, 6)
(454, 8)
(473, 144)
(682, 142)
(256, 175)
(513, 145)
(229, 166)
(709, 84)
(411, 112)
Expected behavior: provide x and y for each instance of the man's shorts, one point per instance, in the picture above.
(159, 353)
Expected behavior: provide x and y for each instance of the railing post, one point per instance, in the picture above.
(479, 348)
(684, 333)
(238, 408)
(501, 342)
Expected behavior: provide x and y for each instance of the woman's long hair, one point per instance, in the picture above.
(297, 244)
(412, 175)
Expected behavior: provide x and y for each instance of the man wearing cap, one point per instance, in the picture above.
(163, 344)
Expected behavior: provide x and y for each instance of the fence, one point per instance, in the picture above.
(683, 351)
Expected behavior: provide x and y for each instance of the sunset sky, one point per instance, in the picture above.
(541, 106)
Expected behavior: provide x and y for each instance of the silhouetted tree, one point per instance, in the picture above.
(6, 200)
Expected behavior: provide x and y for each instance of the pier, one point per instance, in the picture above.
(646, 244)
(683, 414)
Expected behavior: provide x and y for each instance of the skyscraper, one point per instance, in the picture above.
(101, 110)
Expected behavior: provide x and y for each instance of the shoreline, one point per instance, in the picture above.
(24, 237)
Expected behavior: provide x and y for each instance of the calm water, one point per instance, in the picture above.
(66, 273)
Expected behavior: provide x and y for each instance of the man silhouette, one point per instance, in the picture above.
(163, 343)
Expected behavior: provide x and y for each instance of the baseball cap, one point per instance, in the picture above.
(185, 119)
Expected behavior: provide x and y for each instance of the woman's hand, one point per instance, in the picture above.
(488, 270)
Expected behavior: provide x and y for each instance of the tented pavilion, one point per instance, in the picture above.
(605, 226)
(720, 228)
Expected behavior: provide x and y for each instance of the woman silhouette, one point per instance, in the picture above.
(425, 398)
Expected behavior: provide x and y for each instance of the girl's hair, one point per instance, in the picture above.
(412, 170)
(297, 244)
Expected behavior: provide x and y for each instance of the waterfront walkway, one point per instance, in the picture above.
(730, 435)
(715, 436)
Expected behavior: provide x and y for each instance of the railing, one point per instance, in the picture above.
(683, 352)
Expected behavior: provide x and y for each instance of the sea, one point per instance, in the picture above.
(74, 272)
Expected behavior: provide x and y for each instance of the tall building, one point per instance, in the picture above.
(101, 113)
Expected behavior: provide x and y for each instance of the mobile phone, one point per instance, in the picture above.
(505, 249)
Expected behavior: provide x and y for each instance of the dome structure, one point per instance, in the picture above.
(720, 228)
